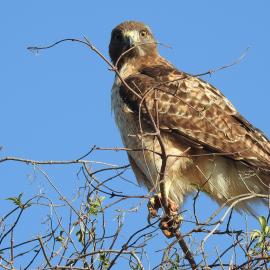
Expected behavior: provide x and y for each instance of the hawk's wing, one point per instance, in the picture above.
(195, 110)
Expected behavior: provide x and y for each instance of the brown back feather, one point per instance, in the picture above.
(193, 109)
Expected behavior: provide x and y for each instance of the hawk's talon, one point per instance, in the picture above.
(169, 224)
(154, 204)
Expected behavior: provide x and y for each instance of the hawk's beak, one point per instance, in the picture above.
(129, 41)
(130, 38)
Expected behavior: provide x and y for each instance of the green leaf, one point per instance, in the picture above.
(60, 238)
(261, 239)
(80, 236)
(17, 200)
(94, 207)
(255, 234)
(177, 258)
(267, 231)
(263, 222)
(105, 261)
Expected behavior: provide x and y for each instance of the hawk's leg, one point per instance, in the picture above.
(169, 223)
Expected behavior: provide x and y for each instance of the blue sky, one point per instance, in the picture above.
(56, 105)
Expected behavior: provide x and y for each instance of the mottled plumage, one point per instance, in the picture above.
(212, 145)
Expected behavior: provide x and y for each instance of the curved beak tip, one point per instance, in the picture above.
(129, 40)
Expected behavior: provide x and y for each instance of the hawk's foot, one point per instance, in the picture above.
(155, 203)
(169, 224)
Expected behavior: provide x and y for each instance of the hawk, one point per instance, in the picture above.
(209, 145)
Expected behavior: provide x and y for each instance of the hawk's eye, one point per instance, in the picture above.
(143, 33)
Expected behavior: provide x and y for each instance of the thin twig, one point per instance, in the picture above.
(43, 251)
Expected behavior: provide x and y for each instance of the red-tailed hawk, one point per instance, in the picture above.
(210, 144)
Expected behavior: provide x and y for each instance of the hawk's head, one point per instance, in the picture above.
(134, 37)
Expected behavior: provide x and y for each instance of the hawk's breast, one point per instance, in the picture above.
(124, 117)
